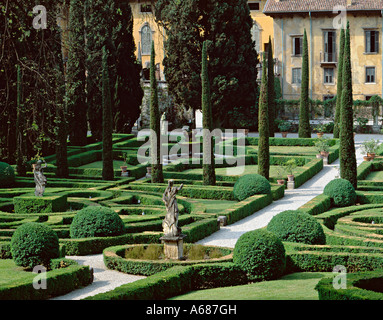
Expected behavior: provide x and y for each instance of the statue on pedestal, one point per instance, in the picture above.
(40, 179)
(170, 223)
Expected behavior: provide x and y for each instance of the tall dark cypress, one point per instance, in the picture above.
(155, 126)
(304, 109)
(263, 142)
(107, 121)
(339, 85)
(208, 165)
(271, 89)
(62, 170)
(21, 153)
(76, 79)
(348, 168)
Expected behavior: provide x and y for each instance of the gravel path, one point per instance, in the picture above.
(106, 280)
(227, 236)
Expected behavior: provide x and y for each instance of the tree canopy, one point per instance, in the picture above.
(225, 26)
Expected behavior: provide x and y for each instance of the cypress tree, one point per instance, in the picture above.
(155, 126)
(263, 142)
(347, 155)
(304, 110)
(76, 79)
(21, 155)
(129, 93)
(339, 86)
(208, 165)
(107, 121)
(233, 58)
(61, 129)
(99, 33)
(271, 90)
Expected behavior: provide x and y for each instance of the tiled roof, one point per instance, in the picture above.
(281, 6)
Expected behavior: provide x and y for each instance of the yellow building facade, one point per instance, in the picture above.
(323, 21)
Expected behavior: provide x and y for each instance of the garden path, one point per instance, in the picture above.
(106, 280)
(227, 235)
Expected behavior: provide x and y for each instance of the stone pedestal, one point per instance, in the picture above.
(173, 247)
(290, 185)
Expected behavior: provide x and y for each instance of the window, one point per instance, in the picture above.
(372, 41)
(370, 74)
(254, 6)
(146, 39)
(297, 46)
(146, 8)
(297, 76)
(329, 75)
(329, 46)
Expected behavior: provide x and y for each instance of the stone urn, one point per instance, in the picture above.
(281, 181)
(124, 171)
(371, 155)
(290, 177)
(284, 134)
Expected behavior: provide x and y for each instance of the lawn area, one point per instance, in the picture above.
(249, 169)
(98, 165)
(296, 286)
(288, 150)
(216, 206)
(375, 175)
(10, 273)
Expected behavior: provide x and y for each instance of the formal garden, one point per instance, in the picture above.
(76, 180)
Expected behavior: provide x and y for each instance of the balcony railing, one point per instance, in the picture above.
(328, 58)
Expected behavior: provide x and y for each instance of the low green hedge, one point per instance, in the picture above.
(304, 142)
(309, 258)
(190, 191)
(46, 204)
(114, 260)
(317, 205)
(360, 286)
(59, 281)
(311, 169)
(176, 281)
(247, 207)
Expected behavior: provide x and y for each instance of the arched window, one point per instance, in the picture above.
(146, 39)
(256, 36)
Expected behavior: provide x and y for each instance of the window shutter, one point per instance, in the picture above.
(377, 41)
(368, 41)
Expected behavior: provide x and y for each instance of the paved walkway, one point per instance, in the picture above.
(106, 280)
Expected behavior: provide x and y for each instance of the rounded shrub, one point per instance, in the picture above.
(34, 244)
(260, 254)
(297, 226)
(341, 191)
(7, 175)
(96, 221)
(249, 185)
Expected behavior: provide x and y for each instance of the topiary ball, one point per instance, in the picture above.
(7, 175)
(249, 185)
(96, 221)
(260, 254)
(34, 244)
(297, 226)
(341, 191)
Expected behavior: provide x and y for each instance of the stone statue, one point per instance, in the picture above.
(40, 179)
(170, 223)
